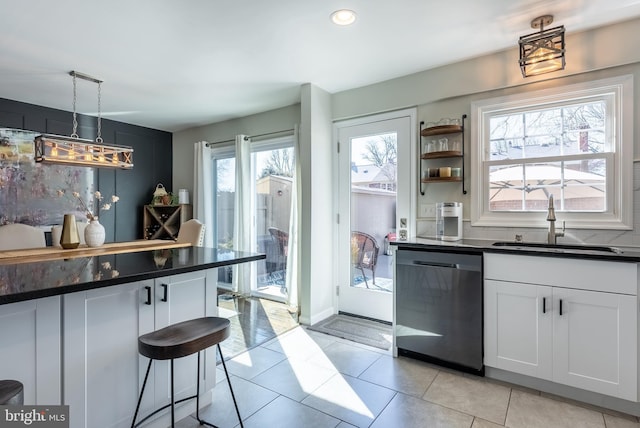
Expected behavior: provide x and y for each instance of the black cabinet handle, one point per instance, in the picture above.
(544, 305)
(148, 302)
(560, 307)
(164, 293)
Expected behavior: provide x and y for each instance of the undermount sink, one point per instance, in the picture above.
(557, 247)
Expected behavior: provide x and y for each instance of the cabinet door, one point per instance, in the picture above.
(30, 337)
(180, 298)
(518, 328)
(595, 342)
(101, 360)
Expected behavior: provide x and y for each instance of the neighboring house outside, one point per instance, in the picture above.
(373, 200)
(273, 205)
(374, 177)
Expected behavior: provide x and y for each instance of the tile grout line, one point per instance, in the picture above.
(506, 414)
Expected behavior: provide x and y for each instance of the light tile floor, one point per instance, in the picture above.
(306, 379)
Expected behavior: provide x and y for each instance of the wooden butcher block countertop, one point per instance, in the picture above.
(56, 253)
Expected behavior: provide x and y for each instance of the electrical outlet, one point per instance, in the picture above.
(403, 234)
(427, 210)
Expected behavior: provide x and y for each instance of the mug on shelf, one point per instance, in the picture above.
(445, 171)
(455, 172)
(443, 144)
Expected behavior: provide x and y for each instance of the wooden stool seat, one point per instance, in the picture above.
(180, 340)
(11, 393)
(185, 338)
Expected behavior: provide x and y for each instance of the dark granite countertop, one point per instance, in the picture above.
(27, 281)
(622, 254)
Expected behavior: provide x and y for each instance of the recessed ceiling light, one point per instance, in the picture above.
(343, 17)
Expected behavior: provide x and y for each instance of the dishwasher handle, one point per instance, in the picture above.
(436, 264)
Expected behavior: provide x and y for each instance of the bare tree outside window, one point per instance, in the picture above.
(280, 162)
(382, 152)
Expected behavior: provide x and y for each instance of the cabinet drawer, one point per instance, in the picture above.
(596, 275)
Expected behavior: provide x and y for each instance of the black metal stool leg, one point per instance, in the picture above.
(144, 384)
(230, 388)
(198, 393)
(173, 401)
(180, 340)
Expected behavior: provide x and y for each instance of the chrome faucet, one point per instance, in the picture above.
(551, 218)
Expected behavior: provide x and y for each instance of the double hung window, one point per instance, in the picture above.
(573, 143)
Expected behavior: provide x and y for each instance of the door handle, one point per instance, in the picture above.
(544, 305)
(165, 293)
(148, 302)
(435, 264)
(560, 307)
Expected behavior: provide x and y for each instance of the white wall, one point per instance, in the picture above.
(271, 121)
(316, 240)
(586, 51)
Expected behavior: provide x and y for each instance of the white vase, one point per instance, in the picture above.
(94, 234)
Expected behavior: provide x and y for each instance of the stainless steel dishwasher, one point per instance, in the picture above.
(438, 308)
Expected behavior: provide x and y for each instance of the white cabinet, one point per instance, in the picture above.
(518, 331)
(103, 371)
(595, 342)
(30, 337)
(556, 319)
(101, 361)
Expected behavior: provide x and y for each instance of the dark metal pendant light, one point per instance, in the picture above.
(543, 51)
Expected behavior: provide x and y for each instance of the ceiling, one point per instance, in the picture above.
(172, 65)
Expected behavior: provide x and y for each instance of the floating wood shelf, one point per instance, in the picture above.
(440, 130)
(441, 179)
(443, 154)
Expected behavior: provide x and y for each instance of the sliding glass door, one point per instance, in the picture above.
(272, 167)
(272, 172)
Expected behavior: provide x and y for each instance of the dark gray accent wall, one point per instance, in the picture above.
(152, 160)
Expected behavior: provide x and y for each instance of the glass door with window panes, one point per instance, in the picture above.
(374, 187)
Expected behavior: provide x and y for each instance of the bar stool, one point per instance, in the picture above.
(11, 393)
(180, 340)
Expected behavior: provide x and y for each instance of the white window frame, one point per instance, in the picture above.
(619, 187)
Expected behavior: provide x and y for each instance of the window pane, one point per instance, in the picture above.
(374, 178)
(506, 184)
(225, 194)
(524, 187)
(573, 129)
(575, 186)
(542, 180)
(585, 184)
(225, 179)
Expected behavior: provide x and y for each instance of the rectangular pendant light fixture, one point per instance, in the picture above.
(543, 51)
(80, 152)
